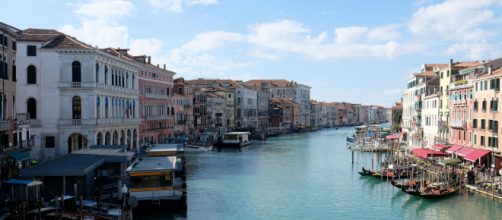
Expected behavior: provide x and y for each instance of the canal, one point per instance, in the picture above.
(309, 176)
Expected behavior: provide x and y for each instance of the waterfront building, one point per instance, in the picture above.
(156, 107)
(331, 115)
(10, 137)
(485, 110)
(75, 95)
(184, 112)
(409, 112)
(281, 88)
(430, 112)
(315, 114)
(397, 116)
(284, 114)
(262, 99)
(426, 83)
(246, 107)
(216, 106)
(445, 72)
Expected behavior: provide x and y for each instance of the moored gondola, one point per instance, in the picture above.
(365, 172)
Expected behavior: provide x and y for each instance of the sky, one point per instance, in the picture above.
(357, 51)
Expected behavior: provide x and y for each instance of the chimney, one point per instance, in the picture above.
(123, 52)
(490, 70)
(149, 59)
(451, 62)
(141, 59)
(164, 66)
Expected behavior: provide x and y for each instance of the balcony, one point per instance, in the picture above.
(459, 124)
(98, 122)
(4, 125)
(22, 119)
(443, 124)
(93, 85)
(155, 96)
(460, 84)
(158, 117)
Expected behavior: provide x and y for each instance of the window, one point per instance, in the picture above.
(76, 70)
(14, 46)
(31, 77)
(31, 50)
(482, 141)
(76, 108)
(474, 139)
(474, 123)
(97, 72)
(31, 107)
(106, 75)
(482, 123)
(483, 107)
(49, 142)
(14, 78)
(475, 107)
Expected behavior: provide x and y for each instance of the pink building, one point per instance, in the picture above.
(155, 102)
(460, 104)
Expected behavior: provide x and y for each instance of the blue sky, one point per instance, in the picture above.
(347, 50)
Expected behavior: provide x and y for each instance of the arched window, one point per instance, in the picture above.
(76, 107)
(99, 139)
(106, 107)
(76, 71)
(31, 77)
(97, 72)
(98, 108)
(31, 107)
(106, 74)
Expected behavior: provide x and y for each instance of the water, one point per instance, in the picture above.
(309, 176)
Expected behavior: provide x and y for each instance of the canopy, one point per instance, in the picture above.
(424, 153)
(23, 182)
(454, 149)
(453, 162)
(392, 137)
(464, 151)
(19, 155)
(439, 146)
(476, 154)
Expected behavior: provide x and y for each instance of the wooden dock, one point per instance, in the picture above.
(482, 192)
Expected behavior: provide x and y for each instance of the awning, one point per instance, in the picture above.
(19, 156)
(453, 162)
(464, 151)
(439, 146)
(454, 149)
(392, 137)
(23, 182)
(425, 153)
(476, 154)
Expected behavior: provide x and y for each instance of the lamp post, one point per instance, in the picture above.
(124, 190)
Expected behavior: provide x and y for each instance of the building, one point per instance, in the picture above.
(281, 88)
(183, 109)
(430, 112)
(485, 110)
(246, 108)
(396, 117)
(75, 95)
(284, 114)
(156, 105)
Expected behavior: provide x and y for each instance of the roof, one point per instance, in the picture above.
(19, 155)
(214, 82)
(466, 64)
(454, 148)
(54, 38)
(154, 164)
(166, 148)
(108, 155)
(476, 154)
(38, 35)
(68, 165)
(24, 182)
(494, 73)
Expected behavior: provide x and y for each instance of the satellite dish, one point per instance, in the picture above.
(133, 202)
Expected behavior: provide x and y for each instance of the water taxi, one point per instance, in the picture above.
(154, 184)
(236, 139)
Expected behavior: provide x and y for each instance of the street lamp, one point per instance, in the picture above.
(124, 190)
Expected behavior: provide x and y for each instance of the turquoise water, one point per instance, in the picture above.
(309, 176)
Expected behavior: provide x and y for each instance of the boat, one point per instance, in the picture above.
(155, 185)
(365, 172)
(438, 190)
(236, 139)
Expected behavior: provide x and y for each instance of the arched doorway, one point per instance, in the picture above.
(99, 139)
(107, 138)
(122, 137)
(76, 141)
(115, 138)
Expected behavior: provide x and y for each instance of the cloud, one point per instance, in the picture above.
(177, 5)
(468, 26)
(105, 9)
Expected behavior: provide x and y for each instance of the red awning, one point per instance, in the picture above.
(454, 149)
(425, 153)
(476, 154)
(392, 137)
(464, 151)
(439, 146)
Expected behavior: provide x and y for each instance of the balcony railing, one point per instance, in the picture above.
(459, 124)
(93, 85)
(96, 122)
(156, 96)
(22, 119)
(443, 124)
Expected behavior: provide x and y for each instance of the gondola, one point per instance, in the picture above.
(429, 193)
(365, 172)
(397, 184)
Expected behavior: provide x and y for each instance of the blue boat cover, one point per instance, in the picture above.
(18, 182)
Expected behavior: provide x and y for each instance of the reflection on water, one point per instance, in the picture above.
(308, 176)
